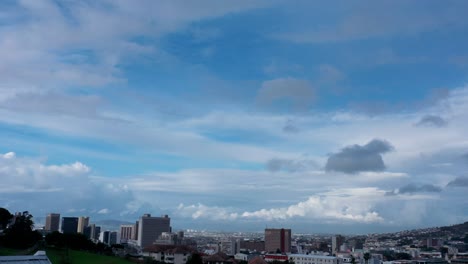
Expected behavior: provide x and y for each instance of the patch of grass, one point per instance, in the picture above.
(9, 251)
(57, 256)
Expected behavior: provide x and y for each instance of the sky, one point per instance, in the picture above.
(336, 116)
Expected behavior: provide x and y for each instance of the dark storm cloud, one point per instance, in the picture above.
(432, 120)
(356, 158)
(289, 165)
(414, 188)
(459, 182)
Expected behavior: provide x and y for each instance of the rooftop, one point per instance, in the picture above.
(36, 259)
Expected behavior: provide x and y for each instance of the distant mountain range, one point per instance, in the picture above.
(458, 231)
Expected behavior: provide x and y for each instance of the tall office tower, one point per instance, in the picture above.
(112, 238)
(150, 228)
(92, 231)
(52, 222)
(278, 240)
(97, 232)
(337, 241)
(127, 232)
(82, 223)
(87, 231)
(235, 246)
(104, 237)
(69, 225)
(135, 234)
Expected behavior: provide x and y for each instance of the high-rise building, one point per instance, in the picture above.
(235, 246)
(337, 241)
(97, 232)
(92, 231)
(52, 222)
(150, 228)
(69, 225)
(112, 238)
(87, 231)
(278, 240)
(127, 232)
(83, 221)
(104, 237)
(109, 238)
(135, 235)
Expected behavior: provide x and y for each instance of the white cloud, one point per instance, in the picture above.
(350, 205)
(76, 168)
(9, 155)
(205, 212)
(104, 211)
(29, 181)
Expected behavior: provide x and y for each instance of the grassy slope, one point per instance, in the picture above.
(8, 251)
(80, 257)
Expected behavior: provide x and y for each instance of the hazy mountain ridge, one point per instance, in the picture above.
(452, 232)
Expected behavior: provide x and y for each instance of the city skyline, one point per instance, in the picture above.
(343, 117)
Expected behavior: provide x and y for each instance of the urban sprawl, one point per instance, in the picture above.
(152, 237)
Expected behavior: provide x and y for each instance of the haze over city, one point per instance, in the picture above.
(341, 117)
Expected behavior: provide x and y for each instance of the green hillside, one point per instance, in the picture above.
(81, 257)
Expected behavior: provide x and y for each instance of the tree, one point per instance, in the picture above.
(366, 257)
(402, 255)
(21, 234)
(195, 259)
(5, 218)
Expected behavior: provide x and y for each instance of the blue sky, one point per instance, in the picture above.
(345, 116)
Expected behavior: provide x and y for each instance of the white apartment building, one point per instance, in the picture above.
(313, 259)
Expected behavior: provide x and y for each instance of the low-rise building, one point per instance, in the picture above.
(170, 254)
(275, 257)
(219, 258)
(312, 259)
(245, 256)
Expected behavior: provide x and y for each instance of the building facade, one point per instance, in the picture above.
(278, 240)
(337, 241)
(252, 245)
(92, 232)
(112, 238)
(150, 228)
(52, 222)
(104, 237)
(127, 232)
(168, 254)
(83, 221)
(312, 259)
(108, 237)
(69, 225)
